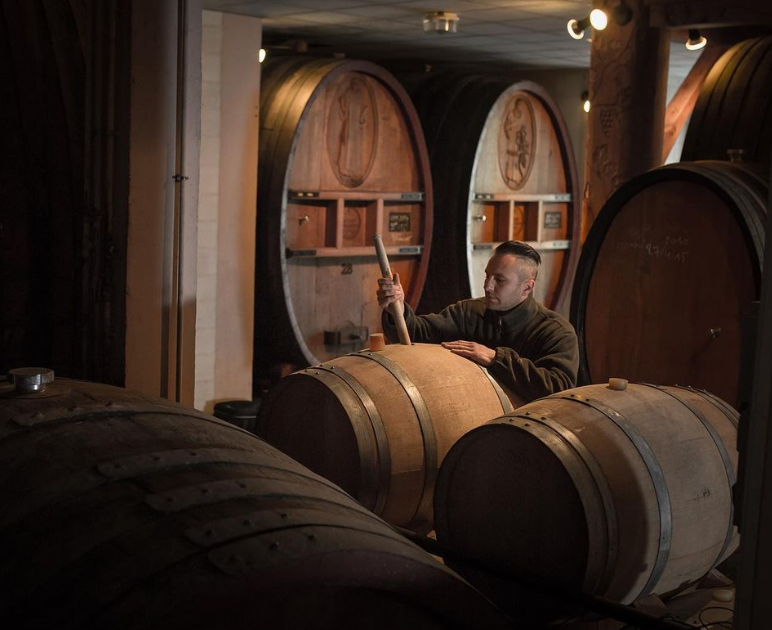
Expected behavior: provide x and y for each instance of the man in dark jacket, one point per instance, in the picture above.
(530, 350)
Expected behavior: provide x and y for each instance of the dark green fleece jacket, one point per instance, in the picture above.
(537, 352)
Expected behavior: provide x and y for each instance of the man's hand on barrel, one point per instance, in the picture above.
(389, 291)
(472, 351)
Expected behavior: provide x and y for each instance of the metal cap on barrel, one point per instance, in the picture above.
(30, 380)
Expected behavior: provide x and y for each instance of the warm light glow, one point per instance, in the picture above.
(586, 106)
(441, 22)
(695, 41)
(574, 30)
(598, 19)
(261, 55)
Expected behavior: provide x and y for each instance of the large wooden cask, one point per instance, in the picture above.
(734, 109)
(379, 424)
(669, 266)
(617, 492)
(124, 511)
(342, 158)
(503, 168)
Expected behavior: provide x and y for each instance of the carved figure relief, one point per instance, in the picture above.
(517, 142)
(352, 130)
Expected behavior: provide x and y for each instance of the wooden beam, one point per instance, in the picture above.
(669, 14)
(682, 104)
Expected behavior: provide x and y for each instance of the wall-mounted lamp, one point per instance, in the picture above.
(261, 55)
(597, 19)
(441, 22)
(586, 102)
(695, 41)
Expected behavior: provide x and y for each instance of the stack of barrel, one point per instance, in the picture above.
(619, 491)
(343, 157)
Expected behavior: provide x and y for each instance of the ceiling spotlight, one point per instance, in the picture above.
(586, 102)
(695, 41)
(597, 19)
(441, 22)
(261, 55)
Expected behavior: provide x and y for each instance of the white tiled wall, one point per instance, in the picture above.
(206, 312)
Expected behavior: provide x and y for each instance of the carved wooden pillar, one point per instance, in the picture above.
(628, 86)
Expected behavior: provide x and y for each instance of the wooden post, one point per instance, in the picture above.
(628, 87)
(681, 106)
(164, 110)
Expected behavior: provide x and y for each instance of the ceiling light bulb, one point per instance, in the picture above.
(586, 106)
(695, 41)
(261, 55)
(598, 19)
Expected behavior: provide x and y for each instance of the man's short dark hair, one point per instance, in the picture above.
(519, 249)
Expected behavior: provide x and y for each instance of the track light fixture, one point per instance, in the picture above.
(695, 41)
(597, 19)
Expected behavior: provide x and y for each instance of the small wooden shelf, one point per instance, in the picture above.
(555, 198)
(362, 195)
(347, 222)
(544, 245)
(355, 252)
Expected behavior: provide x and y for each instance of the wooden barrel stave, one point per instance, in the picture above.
(644, 545)
(322, 243)
(379, 424)
(692, 237)
(732, 111)
(119, 510)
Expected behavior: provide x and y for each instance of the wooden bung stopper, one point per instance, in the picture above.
(617, 384)
(377, 342)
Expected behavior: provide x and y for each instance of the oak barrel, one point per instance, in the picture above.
(617, 492)
(122, 511)
(342, 158)
(734, 108)
(670, 264)
(378, 424)
(502, 168)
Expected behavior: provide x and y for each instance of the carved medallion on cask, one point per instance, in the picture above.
(517, 142)
(352, 224)
(352, 130)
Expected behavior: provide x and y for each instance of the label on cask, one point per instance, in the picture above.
(399, 222)
(553, 220)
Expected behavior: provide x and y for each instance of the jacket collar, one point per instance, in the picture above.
(515, 319)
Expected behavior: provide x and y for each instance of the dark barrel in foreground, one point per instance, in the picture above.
(122, 511)
(617, 492)
(669, 266)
